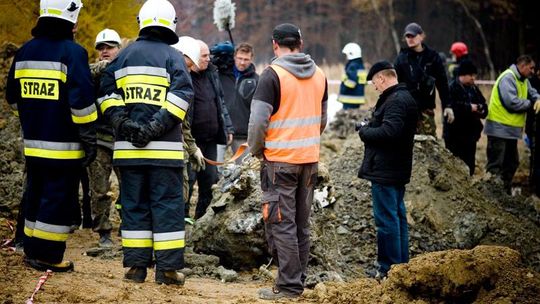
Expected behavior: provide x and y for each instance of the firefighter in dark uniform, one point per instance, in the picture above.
(145, 93)
(49, 86)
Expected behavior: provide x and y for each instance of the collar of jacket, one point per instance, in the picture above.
(246, 73)
(390, 90)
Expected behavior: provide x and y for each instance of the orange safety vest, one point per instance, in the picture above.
(294, 133)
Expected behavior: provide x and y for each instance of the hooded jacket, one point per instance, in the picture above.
(266, 100)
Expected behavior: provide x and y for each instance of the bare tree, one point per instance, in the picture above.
(482, 36)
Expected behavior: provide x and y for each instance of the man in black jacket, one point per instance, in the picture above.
(210, 125)
(239, 81)
(421, 69)
(470, 107)
(388, 138)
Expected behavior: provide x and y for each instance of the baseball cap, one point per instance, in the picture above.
(377, 67)
(286, 32)
(413, 29)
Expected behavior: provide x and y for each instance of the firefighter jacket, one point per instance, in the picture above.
(351, 90)
(50, 88)
(510, 99)
(146, 77)
(104, 130)
(288, 112)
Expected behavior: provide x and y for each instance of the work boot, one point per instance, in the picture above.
(275, 294)
(64, 266)
(169, 277)
(105, 240)
(135, 274)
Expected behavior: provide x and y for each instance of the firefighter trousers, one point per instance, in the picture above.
(152, 216)
(287, 198)
(52, 193)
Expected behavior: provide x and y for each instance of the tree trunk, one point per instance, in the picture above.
(483, 36)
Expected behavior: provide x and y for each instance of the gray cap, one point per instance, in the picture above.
(413, 29)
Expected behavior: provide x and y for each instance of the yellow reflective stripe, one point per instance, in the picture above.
(164, 21)
(164, 245)
(112, 102)
(153, 154)
(147, 21)
(28, 231)
(137, 243)
(50, 236)
(352, 99)
(362, 77)
(174, 110)
(349, 83)
(50, 11)
(139, 79)
(84, 119)
(34, 73)
(56, 154)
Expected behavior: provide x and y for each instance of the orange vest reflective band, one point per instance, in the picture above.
(294, 132)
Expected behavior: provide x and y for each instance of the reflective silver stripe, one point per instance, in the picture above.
(51, 145)
(41, 65)
(177, 101)
(29, 224)
(142, 70)
(153, 145)
(84, 112)
(299, 143)
(51, 228)
(136, 234)
(110, 96)
(294, 122)
(105, 144)
(169, 236)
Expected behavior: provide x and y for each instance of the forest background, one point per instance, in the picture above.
(496, 31)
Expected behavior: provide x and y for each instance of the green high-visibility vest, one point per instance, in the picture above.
(498, 113)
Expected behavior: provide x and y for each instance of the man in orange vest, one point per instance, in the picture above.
(288, 115)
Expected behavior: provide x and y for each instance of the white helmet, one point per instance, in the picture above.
(190, 47)
(109, 37)
(352, 51)
(63, 9)
(159, 13)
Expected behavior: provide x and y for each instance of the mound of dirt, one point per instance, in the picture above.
(485, 274)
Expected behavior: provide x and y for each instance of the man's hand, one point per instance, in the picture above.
(199, 163)
(536, 106)
(90, 153)
(229, 139)
(449, 114)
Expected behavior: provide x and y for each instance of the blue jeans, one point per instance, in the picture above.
(391, 222)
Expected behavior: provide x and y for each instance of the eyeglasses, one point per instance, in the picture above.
(410, 36)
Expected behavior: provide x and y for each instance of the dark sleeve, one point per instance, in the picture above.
(324, 112)
(459, 104)
(481, 100)
(441, 81)
(80, 87)
(391, 128)
(399, 70)
(268, 89)
(12, 89)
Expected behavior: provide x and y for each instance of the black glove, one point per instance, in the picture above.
(129, 130)
(87, 136)
(153, 129)
(90, 153)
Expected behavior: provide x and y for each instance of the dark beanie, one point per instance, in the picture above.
(467, 68)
